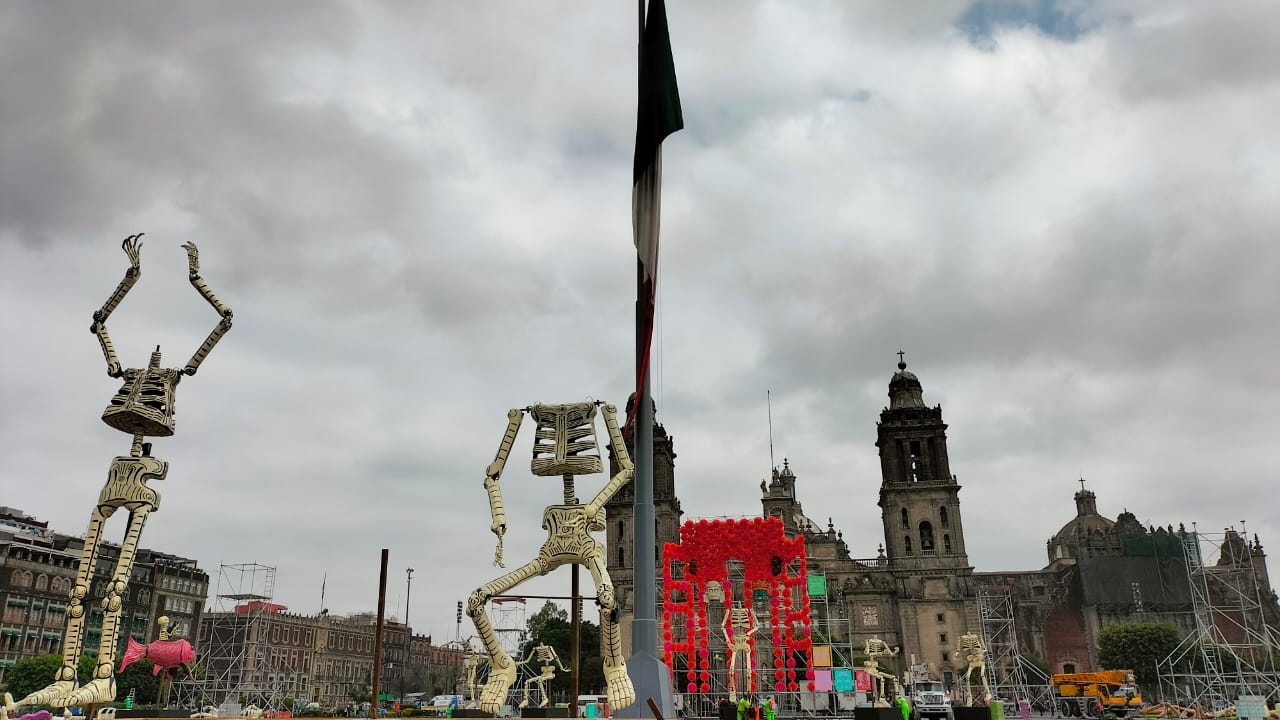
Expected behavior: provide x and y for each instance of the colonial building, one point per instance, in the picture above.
(264, 653)
(38, 568)
(920, 592)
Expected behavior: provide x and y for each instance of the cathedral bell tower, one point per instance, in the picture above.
(923, 532)
(919, 497)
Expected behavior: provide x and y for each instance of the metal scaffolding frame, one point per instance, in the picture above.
(1233, 650)
(1009, 675)
(234, 651)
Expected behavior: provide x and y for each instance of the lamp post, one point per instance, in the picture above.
(408, 634)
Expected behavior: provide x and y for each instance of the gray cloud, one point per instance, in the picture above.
(420, 215)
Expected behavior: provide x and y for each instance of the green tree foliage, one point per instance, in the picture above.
(551, 626)
(85, 667)
(30, 674)
(1137, 647)
(138, 677)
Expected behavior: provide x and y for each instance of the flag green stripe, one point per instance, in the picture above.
(659, 106)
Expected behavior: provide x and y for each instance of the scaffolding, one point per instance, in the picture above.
(511, 625)
(237, 665)
(1232, 652)
(1009, 675)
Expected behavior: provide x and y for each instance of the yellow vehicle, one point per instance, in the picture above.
(1096, 694)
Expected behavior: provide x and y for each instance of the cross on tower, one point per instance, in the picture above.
(900, 354)
(1081, 481)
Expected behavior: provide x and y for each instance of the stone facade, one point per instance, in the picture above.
(920, 593)
(38, 568)
(323, 658)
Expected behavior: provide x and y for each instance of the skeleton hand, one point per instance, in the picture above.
(498, 528)
(193, 259)
(133, 248)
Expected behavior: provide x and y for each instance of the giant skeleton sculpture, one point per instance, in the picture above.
(974, 653)
(144, 406)
(565, 445)
(884, 684)
(473, 660)
(548, 662)
(738, 626)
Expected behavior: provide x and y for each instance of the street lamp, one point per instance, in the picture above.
(408, 650)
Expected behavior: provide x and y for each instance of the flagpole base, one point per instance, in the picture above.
(652, 679)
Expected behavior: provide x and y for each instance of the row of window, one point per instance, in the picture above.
(281, 634)
(182, 585)
(944, 518)
(178, 605)
(26, 579)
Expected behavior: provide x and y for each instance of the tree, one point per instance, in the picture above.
(137, 677)
(30, 674)
(1137, 647)
(551, 626)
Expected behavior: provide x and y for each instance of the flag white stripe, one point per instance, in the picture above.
(646, 211)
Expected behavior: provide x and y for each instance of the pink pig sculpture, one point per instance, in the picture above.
(164, 654)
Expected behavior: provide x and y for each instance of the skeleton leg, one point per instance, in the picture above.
(103, 686)
(618, 685)
(64, 682)
(733, 676)
(502, 669)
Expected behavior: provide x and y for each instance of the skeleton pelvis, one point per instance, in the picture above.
(565, 443)
(144, 403)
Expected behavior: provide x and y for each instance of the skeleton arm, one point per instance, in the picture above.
(556, 658)
(493, 474)
(133, 248)
(624, 475)
(197, 282)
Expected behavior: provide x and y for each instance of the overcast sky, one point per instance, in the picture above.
(1064, 213)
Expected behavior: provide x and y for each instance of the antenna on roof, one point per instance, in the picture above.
(768, 400)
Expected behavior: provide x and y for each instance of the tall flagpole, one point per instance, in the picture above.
(649, 674)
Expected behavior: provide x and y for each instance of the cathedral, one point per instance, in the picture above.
(921, 594)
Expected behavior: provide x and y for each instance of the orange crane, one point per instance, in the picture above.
(1094, 694)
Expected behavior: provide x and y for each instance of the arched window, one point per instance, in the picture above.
(621, 530)
(906, 521)
(946, 543)
(620, 555)
(22, 578)
(42, 582)
(926, 536)
(942, 517)
(906, 544)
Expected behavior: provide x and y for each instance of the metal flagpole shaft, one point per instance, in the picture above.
(375, 706)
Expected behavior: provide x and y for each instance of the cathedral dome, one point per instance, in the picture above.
(905, 389)
(1086, 522)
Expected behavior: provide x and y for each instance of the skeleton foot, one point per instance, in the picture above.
(7, 707)
(618, 687)
(495, 691)
(55, 695)
(102, 690)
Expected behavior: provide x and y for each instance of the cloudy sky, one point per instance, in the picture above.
(1064, 213)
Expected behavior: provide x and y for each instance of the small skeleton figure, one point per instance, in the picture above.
(876, 648)
(564, 445)
(471, 664)
(546, 655)
(144, 406)
(974, 653)
(738, 626)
